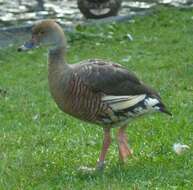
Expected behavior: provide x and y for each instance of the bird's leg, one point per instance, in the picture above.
(106, 143)
(124, 150)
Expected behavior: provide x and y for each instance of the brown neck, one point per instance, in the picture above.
(57, 65)
(58, 69)
(56, 56)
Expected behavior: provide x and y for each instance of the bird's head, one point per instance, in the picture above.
(46, 33)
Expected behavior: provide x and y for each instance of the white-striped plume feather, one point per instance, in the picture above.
(123, 102)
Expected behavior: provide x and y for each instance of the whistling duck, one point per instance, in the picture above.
(96, 91)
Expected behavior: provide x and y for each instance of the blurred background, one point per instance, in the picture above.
(66, 11)
(14, 15)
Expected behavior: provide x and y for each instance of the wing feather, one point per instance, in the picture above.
(111, 79)
(120, 103)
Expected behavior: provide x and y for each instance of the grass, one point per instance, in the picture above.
(41, 148)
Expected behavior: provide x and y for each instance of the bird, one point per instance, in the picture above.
(97, 9)
(96, 91)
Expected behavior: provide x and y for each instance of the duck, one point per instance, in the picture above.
(96, 9)
(95, 91)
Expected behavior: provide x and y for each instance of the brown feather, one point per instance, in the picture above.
(111, 79)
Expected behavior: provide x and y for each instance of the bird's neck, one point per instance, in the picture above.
(56, 56)
(57, 65)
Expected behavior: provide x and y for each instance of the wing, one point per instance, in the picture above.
(111, 79)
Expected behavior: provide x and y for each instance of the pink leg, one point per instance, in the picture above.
(124, 150)
(106, 143)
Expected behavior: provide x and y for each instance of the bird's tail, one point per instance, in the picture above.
(157, 104)
(136, 104)
(163, 109)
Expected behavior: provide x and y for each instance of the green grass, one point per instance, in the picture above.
(42, 148)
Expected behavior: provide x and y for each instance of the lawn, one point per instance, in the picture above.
(42, 148)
